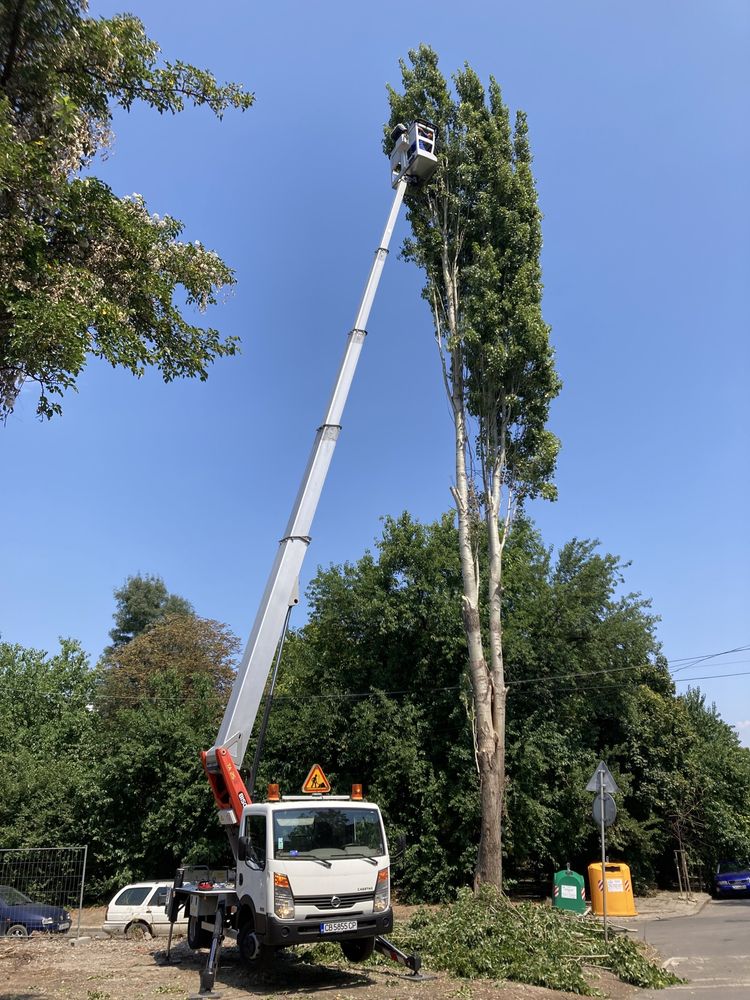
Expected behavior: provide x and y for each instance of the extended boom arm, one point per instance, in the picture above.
(412, 159)
(254, 667)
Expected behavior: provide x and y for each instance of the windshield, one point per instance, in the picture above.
(327, 833)
(726, 867)
(12, 896)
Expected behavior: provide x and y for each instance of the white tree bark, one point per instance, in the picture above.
(487, 679)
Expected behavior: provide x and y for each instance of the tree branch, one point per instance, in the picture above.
(15, 38)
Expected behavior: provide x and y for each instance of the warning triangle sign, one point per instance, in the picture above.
(316, 781)
(602, 779)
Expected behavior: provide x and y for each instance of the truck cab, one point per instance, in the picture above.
(312, 869)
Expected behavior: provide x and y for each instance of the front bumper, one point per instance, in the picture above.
(731, 888)
(291, 932)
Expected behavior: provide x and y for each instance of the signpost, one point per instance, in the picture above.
(604, 813)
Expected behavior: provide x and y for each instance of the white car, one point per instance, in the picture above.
(138, 911)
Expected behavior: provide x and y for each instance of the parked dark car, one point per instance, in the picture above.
(20, 916)
(731, 879)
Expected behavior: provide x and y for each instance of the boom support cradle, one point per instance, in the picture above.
(229, 789)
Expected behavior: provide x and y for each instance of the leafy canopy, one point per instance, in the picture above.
(476, 233)
(83, 271)
(140, 602)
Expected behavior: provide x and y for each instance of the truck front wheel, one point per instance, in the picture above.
(358, 949)
(252, 952)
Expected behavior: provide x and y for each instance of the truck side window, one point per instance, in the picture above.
(255, 829)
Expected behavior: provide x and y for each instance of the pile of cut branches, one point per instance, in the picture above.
(487, 936)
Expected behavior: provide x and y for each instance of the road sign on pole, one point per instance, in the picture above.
(604, 809)
(602, 779)
(604, 813)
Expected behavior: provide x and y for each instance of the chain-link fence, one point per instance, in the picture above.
(39, 886)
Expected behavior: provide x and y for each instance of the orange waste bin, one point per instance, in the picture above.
(620, 902)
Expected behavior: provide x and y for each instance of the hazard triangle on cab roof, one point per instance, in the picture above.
(316, 781)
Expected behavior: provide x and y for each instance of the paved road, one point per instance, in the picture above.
(710, 949)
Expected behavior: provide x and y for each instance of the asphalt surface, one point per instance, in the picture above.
(710, 949)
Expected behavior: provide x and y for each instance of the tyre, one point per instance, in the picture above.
(17, 931)
(197, 936)
(359, 949)
(252, 952)
(138, 931)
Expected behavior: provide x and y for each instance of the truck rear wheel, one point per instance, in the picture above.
(197, 936)
(358, 949)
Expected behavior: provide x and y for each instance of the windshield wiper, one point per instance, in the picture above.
(311, 857)
(366, 857)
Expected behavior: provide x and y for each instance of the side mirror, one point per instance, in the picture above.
(401, 844)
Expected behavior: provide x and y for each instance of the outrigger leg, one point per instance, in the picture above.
(208, 975)
(413, 962)
(165, 957)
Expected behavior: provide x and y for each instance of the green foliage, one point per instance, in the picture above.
(525, 942)
(384, 625)
(82, 271)
(374, 687)
(159, 700)
(110, 757)
(708, 797)
(47, 745)
(476, 233)
(142, 601)
(485, 936)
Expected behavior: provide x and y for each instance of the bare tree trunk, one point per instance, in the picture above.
(492, 808)
(490, 747)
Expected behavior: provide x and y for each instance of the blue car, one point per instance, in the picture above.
(20, 916)
(731, 879)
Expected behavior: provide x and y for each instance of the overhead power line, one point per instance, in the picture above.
(551, 682)
(695, 660)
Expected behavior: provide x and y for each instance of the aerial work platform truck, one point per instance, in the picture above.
(316, 866)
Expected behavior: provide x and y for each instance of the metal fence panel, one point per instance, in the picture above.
(54, 876)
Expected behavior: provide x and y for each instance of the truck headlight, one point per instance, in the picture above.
(283, 900)
(46, 921)
(382, 891)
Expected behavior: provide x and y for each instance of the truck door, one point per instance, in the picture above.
(253, 868)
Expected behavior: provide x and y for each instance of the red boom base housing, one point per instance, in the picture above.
(226, 784)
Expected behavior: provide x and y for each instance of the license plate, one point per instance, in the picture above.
(338, 926)
(739, 885)
(64, 926)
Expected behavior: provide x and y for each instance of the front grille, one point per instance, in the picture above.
(347, 900)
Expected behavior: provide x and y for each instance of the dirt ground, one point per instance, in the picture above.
(116, 969)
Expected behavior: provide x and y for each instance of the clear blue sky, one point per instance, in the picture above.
(638, 119)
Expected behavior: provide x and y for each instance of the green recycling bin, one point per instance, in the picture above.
(569, 891)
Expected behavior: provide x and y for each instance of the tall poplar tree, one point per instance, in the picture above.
(476, 233)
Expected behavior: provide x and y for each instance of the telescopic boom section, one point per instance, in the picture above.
(413, 160)
(222, 760)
